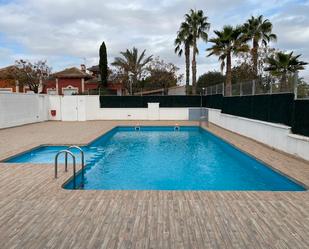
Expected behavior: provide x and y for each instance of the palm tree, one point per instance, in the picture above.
(259, 31)
(228, 41)
(184, 38)
(132, 65)
(284, 65)
(198, 27)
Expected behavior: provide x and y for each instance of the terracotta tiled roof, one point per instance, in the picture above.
(72, 72)
(94, 69)
(8, 72)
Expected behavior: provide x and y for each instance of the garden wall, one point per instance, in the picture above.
(277, 136)
(20, 108)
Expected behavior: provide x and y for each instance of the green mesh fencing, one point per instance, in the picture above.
(301, 117)
(142, 101)
(276, 108)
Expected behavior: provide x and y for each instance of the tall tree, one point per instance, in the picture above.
(132, 65)
(182, 42)
(32, 75)
(198, 28)
(103, 65)
(284, 65)
(161, 75)
(228, 41)
(258, 30)
(209, 79)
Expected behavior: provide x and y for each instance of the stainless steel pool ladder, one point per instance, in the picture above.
(68, 152)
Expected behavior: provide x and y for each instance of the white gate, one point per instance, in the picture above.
(69, 110)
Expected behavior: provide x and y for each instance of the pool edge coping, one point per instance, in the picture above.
(278, 171)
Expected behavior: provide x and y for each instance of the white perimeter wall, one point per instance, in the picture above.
(82, 108)
(153, 112)
(274, 135)
(19, 109)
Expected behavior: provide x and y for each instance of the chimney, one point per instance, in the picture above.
(83, 68)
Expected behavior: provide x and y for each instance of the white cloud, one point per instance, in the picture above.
(66, 31)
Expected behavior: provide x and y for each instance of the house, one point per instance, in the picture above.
(67, 82)
(8, 82)
(77, 81)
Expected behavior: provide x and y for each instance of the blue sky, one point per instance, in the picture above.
(68, 32)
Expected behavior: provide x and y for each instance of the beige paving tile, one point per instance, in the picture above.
(35, 212)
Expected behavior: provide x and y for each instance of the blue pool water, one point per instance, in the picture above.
(159, 158)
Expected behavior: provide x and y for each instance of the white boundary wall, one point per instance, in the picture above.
(274, 135)
(19, 109)
(153, 112)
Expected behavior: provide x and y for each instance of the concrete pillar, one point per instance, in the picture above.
(253, 87)
(57, 87)
(40, 88)
(223, 89)
(83, 85)
(17, 86)
(295, 84)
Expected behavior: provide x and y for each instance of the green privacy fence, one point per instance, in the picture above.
(213, 101)
(276, 108)
(300, 121)
(142, 101)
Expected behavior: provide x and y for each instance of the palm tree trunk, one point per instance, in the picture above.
(187, 55)
(283, 85)
(228, 82)
(194, 68)
(254, 52)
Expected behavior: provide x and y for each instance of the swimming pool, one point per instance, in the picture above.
(160, 158)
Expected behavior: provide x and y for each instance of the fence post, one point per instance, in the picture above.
(253, 87)
(240, 89)
(223, 89)
(295, 79)
(217, 89)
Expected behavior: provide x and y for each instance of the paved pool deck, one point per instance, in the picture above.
(35, 212)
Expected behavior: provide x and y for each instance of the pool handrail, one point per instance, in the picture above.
(82, 159)
(66, 156)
